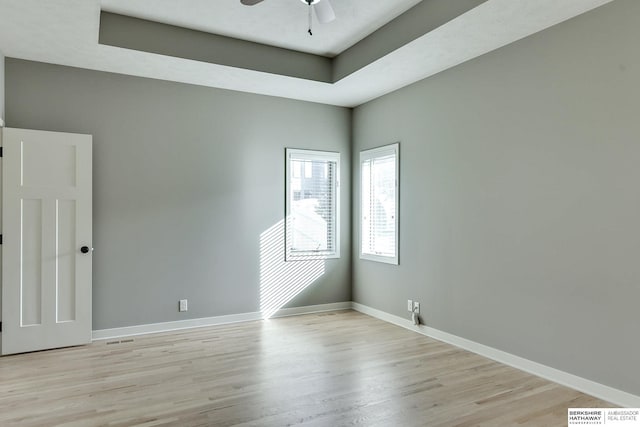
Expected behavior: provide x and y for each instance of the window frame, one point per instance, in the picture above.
(311, 155)
(368, 155)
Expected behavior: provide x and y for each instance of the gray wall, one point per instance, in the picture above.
(148, 36)
(520, 198)
(186, 179)
(421, 19)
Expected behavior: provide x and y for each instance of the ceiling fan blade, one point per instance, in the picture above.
(324, 11)
(250, 2)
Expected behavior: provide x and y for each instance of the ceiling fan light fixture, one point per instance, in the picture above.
(324, 12)
(323, 9)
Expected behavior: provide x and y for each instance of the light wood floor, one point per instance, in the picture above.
(331, 369)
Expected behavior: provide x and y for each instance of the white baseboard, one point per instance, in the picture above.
(575, 382)
(310, 309)
(104, 334)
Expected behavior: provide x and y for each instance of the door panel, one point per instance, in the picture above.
(39, 170)
(66, 242)
(31, 263)
(46, 207)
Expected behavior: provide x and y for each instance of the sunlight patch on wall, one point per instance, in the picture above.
(281, 281)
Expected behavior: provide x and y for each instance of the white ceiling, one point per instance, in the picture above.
(66, 32)
(281, 23)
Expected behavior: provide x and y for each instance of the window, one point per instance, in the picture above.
(379, 204)
(312, 205)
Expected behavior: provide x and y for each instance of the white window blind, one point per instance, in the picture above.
(312, 225)
(379, 204)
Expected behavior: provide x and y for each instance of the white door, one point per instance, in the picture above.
(46, 251)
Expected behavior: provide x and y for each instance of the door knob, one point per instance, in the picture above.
(85, 249)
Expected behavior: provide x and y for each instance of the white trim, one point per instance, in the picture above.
(304, 154)
(385, 150)
(325, 156)
(368, 155)
(104, 334)
(310, 309)
(575, 382)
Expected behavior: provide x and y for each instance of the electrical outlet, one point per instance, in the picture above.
(409, 305)
(183, 305)
(416, 307)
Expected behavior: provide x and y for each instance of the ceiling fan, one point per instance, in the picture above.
(323, 9)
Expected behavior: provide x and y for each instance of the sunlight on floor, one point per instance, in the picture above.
(281, 281)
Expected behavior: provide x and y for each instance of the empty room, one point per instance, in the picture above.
(320, 213)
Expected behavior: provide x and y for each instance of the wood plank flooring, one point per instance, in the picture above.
(330, 369)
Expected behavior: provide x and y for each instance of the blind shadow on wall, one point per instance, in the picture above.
(281, 281)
